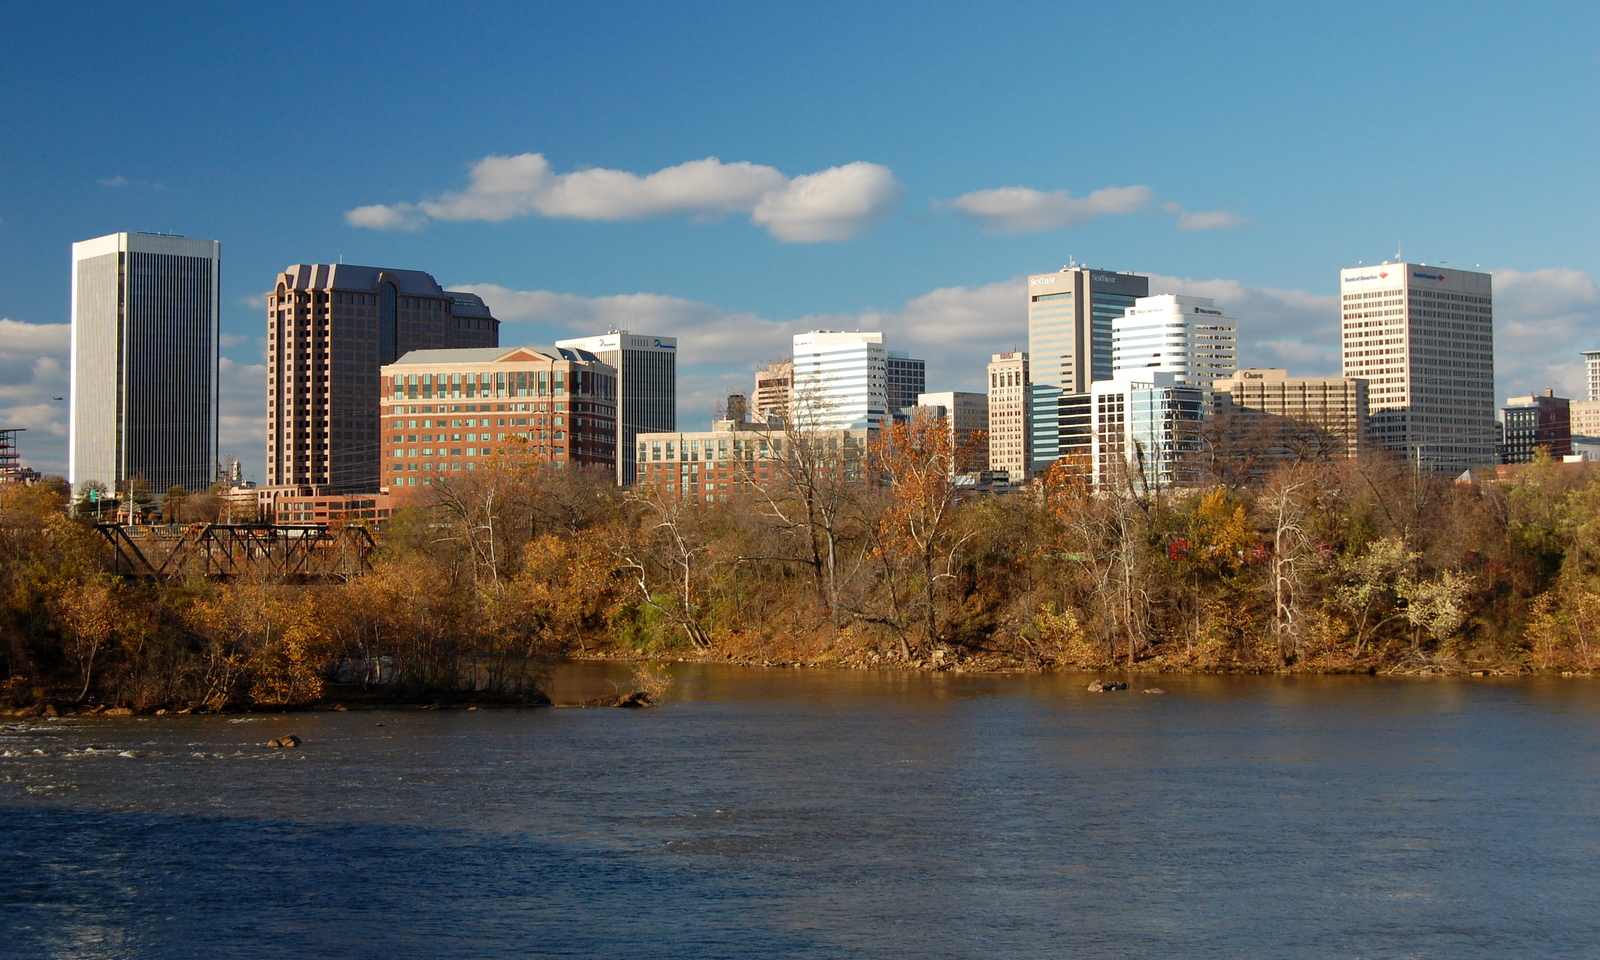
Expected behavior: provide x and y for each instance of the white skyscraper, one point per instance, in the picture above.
(144, 361)
(1185, 336)
(1423, 339)
(1591, 360)
(840, 380)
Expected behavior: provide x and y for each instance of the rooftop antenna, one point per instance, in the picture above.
(1397, 248)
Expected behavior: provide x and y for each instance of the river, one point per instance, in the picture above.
(825, 813)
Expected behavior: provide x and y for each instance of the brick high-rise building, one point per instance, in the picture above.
(448, 412)
(330, 327)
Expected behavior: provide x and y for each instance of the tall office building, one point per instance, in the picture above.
(1289, 416)
(330, 328)
(905, 379)
(647, 392)
(1185, 336)
(841, 380)
(144, 361)
(1010, 433)
(1070, 316)
(1143, 430)
(774, 383)
(1423, 339)
(1591, 360)
(966, 416)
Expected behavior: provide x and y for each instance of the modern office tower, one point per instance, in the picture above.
(966, 416)
(1536, 421)
(905, 379)
(1289, 417)
(1010, 430)
(1143, 431)
(330, 327)
(774, 383)
(840, 381)
(1070, 316)
(144, 361)
(1591, 360)
(1185, 336)
(739, 455)
(448, 412)
(1423, 339)
(647, 395)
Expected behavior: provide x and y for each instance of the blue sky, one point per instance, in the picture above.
(864, 153)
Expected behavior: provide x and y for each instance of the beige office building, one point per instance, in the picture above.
(709, 466)
(1010, 429)
(1294, 415)
(966, 416)
(1586, 418)
(774, 390)
(1423, 339)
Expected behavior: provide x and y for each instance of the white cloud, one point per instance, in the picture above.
(834, 204)
(1277, 328)
(242, 415)
(1543, 318)
(34, 369)
(1206, 219)
(1025, 210)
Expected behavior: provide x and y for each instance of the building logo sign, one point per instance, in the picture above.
(1367, 276)
(665, 346)
(1040, 281)
(1428, 276)
(1210, 313)
(1103, 277)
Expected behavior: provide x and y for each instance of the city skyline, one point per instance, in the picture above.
(889, 194)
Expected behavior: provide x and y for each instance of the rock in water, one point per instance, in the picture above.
(119, 712)
(1154, 690)
(288, 741)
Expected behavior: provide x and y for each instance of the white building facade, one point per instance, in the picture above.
(1423, 339)
(1010, 429)
(840, 380)
(1188, 337)
(144, 361)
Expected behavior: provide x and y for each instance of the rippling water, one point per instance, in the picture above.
(788, 813)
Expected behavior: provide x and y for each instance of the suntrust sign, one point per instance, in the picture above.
(1040, 281)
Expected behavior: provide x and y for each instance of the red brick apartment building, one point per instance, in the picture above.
(448, 412)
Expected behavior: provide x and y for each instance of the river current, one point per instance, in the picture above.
(819, 813)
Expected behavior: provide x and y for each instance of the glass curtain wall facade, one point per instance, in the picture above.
(1144, 431)
(144, 361)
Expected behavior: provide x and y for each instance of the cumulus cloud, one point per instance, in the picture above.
(242, 415)
(1277, 328)
(834, 204)
(1543, 319)
(1025, 210)
(34, 369)
(1206, 219)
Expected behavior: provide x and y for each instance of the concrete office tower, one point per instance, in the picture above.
(1070, 316)
(448, 412)
(1536, 421)
(1185, 336)
(1287, 417)
(774, 384)
(1010, 431)
(840, 381)
(1143, 430)
(1423, 339)
(966, 415)
(647, 397)
(144, 361)
(330, 328)
(905, 379)
(1591, 360)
